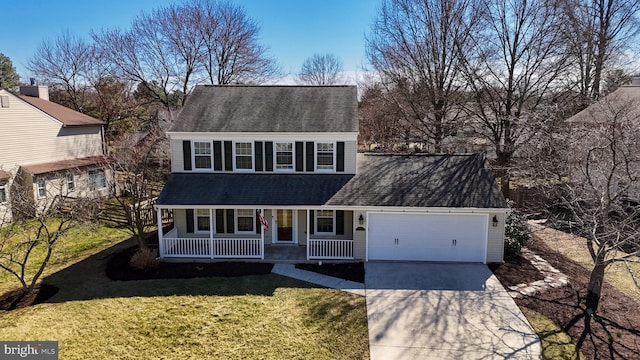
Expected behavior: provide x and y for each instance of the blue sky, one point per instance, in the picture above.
(292, 29)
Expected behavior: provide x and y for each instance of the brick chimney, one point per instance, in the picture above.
(35, 90)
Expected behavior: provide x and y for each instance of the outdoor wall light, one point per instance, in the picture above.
(361, 219)
(495, 220)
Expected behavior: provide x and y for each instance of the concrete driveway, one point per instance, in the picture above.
(443, 311)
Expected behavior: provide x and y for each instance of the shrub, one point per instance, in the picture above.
(145, 259)
(517, 233)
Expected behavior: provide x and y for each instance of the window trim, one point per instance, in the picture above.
(196, 228)
(293, 156)
(71, 182)
(193, 155)
(93, 185)
(41, 186)
(235, 156)
(236, 215)
(315, 156)
(315, 222)
(3, 191)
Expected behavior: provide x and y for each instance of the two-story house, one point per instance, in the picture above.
(47, 150)
(258, 168)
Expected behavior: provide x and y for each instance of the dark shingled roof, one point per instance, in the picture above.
(250, 189)
(239, 108)
(421, 181)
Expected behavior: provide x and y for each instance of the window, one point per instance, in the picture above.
(70, 182)
(284, 156)
(202, 155)
(97, 180)
(245, 221)
(42, 187)
(3, 194)
(324, 156)
(244, 156)
(325, 222)
(203, 222)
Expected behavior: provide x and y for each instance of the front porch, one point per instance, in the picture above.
(173, 245)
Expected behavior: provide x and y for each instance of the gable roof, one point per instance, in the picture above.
(239, 108)
(250, 189)
(421, 180)
(66, 116)
(624, 101)
(65, 164)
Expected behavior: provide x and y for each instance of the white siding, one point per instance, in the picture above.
(359, 237)
(495, 240)
(29, 136)
(177, 161)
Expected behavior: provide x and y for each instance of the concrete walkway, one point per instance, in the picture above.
(291, 271)
(443, 311)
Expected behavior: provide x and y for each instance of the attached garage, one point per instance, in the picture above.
(427, 237)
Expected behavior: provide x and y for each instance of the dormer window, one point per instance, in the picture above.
(325, 156)
(202, 155)
(244, 155)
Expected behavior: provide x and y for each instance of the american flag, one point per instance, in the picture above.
(263, 221)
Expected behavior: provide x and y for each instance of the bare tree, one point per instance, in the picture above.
(64, 64)
(231, 52)
(515, 62)
(600, 33)
(417, 47)
(321, 69)
(27, 243)
(381, 121)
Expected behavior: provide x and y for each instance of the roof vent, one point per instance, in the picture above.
(33, 81)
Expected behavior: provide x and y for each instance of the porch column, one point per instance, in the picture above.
(211, 233)
(308, 232)
(160, 234)
(262, 236)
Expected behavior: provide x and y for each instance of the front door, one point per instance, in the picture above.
(284, 226)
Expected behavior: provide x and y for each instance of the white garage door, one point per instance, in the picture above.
(428, 237)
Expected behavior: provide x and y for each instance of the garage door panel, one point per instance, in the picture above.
(450, 237)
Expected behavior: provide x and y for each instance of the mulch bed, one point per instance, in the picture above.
(118, 268)
(615, 330)
(346, 271)
(515, 271)
(17, 299)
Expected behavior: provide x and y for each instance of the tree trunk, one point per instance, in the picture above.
(594, 290)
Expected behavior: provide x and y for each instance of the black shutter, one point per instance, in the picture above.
(258, 224)
(311, 222)
(228, 156)
(186, 154)
(230, 222)
(309, 156)
(258, 159)
(339, 222)
(217, 156)
(268, 155)
(299, 156)
(219, 221)
(190, 220)
(340, 156)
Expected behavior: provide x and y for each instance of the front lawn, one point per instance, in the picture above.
(247, 317)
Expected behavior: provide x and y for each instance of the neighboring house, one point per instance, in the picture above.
(47, 150)
(288, 153)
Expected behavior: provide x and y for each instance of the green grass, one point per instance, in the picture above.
(575, 248)
(266, 316)
(556, 345)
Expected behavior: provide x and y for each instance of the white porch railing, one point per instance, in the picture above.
(330, 249)
(175, 247)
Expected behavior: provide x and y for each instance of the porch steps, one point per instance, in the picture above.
(291, 271)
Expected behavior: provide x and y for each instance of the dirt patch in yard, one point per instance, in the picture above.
(17, 299)
(118, 268)
(516, 271)
(615, 330)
